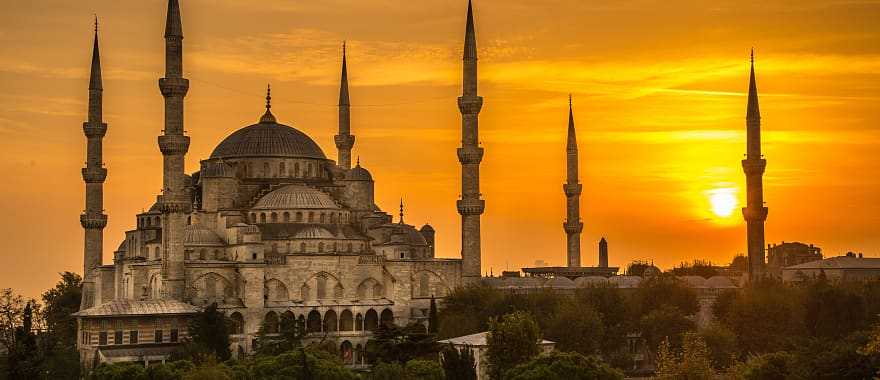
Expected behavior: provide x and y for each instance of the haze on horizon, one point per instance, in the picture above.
(659, 100)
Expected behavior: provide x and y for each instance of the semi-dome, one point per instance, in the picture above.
(314, 232)
(197, 234)
(296, 197)
(268, 139)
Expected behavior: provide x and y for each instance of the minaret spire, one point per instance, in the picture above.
(174, 144)
(401, 210)
(755, 214)
(572, 188)
(470, 206)
(93, 220)
(344, 140)
(268, 117)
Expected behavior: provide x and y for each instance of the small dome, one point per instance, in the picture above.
(268, 139)
(586, 281)
(427, 228)
(625, 282)
(693, 281)
(358, 173)
(719, 282)
(559, 282)
(296, 197)
(314, 232)
(197, 234)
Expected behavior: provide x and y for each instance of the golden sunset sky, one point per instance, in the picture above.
(659, 99)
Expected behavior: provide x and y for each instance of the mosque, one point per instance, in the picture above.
(267, 226)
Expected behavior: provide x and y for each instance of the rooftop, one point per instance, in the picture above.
(119, 308)
(477, 340)
(840, 262)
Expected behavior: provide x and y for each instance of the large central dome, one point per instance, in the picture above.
(268, 139)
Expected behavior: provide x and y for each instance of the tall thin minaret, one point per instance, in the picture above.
(174, 145)
(572, 188)
(93, 220)
(603, 253)
(344, 140)
(754, 213)
(470, 206)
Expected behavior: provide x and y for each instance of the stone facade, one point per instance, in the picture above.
(266, 226)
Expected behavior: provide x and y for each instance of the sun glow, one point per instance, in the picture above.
(723, 201)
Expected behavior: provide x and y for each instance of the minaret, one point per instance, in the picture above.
(174, 145)
(344, 140)
(93, 220)
(470, 206)
(754, 213)
(603, 253)
(572, 188)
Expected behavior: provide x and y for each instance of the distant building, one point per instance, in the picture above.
(477, 343)
(852, 267)
(788, 254)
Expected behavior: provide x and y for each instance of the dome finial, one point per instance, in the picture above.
(268, 117)
(401, 210)
(358, 161)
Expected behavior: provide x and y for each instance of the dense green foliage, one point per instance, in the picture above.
(512, 340)
(209, 332)
(563, 365)
(458, 364)
(395, 344)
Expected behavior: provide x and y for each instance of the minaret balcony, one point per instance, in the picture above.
(95, 220)
(754, 166)
(470, 155)
(171, 87)
(571, 227)
(470, 105)
(94, 129)
(755, 214)
(344, 141)
(94, 175)
(470, 206)
(172, 145)
(572, 189)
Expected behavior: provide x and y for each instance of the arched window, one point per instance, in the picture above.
(346, 321)
(237, 323)
(350, 248)
(322, 287)
(210, 287)
(371, 320)
(262, 217)
(266, 172)
(378, 292)
(347, 353)
(330, 322)
(387, 317)
(311, 217)
(299, 216)
(314, 322)
(274, 217)
(296, 169)
(311, 170)
(359, 323)
(270, 323)
(322, 218)
(337, 291)
(302, 247)
(202, 254)
(286, 217)
(282, 171)
(321, 247)
(423, 285)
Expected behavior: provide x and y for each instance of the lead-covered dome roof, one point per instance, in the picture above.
(296, 197)
(268, 139)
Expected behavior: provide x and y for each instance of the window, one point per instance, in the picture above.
(299, 216)
(157, 336)
(320, 247)
(255, 256)
(266, 172)
(302, 247)
(323, 219)
(286, 217)
(102, 338)
(173, 335)
(282, 172)
(296, 169)
(274, 217)
(117, 337)
(133, 337)
(86, 338)
(262, 217)
(322, 287)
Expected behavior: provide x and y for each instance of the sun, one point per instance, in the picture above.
(723, 201)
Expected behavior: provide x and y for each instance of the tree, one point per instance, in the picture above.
(120, 371)
(209, 331)
(424, 370)
(765, 317)
(394, 344)
(700, 268)
(24, 359)
(666, 322)
(388, 371)
(304, 363)
(576, 328)
(59, 340)
(693, 363)
(512, 340)
(722, 345)
(289, 337)
(665, 290)
(774, 366)
(467, 310)
(832, 311)
(432, 317)
(459, 364)
(564, 365)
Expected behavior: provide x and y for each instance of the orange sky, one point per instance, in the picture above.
(659, 94)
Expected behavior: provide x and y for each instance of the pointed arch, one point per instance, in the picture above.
(387, 317)
(313, 323)
(371, 320)
(237, 323)
(346, 321)
(270, 323)
(331, 323)
(276, 290)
